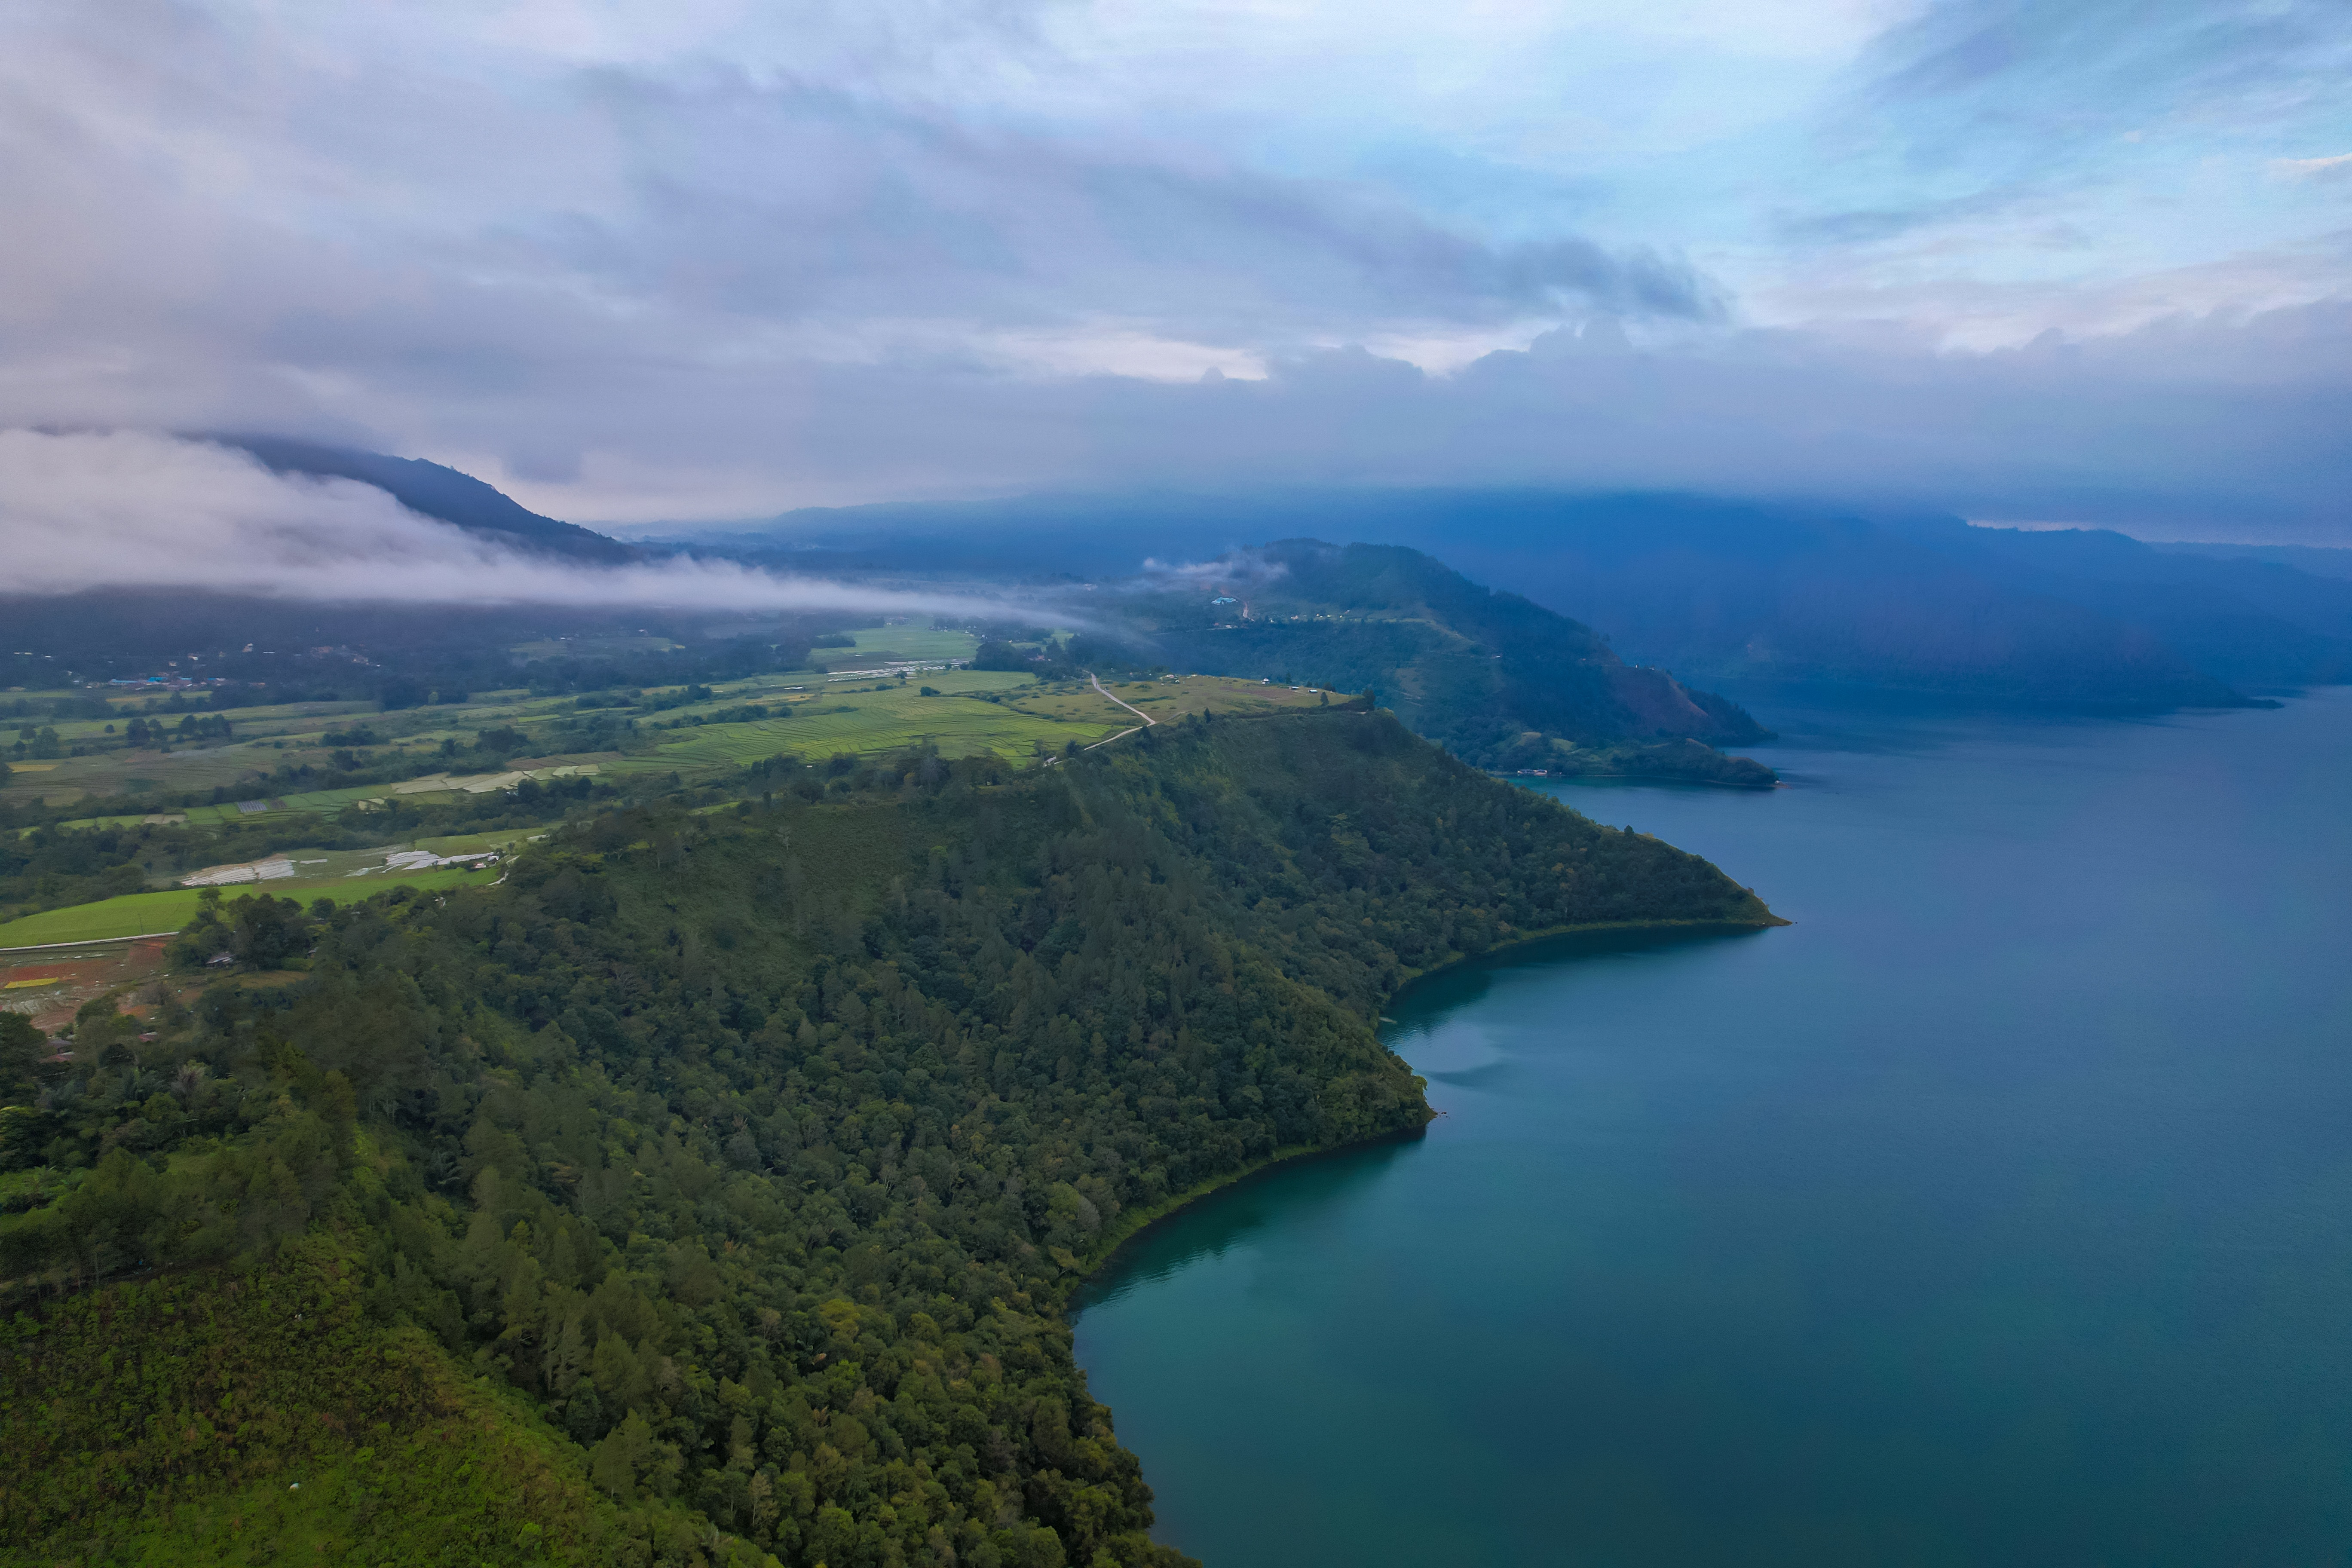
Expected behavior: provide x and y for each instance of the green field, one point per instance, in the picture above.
(887, 715)
(895, 716)
(136, 914)
(881, 644)
(325, 802)
(879, 722)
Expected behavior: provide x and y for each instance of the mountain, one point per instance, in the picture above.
(1717, 589)
(439, 493)
(2262, 622)
(1498, 680)
(2319, 560)
(713, 1187)
(1732, 591)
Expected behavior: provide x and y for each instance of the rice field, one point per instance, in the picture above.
(136, 914)
(881, 644)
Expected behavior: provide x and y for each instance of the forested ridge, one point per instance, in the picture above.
(724, 1172)
(1496, 679)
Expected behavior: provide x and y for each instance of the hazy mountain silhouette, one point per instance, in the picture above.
(437, 491)
(1710, 588)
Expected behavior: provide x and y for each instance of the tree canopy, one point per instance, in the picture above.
(754, 1147)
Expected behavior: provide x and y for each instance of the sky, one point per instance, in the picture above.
(2078, 262)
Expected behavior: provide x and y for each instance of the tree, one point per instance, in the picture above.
(22, 1047)
(266, 931)
(621, 1457)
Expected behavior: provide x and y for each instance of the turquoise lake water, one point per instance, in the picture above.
(1997, 1212)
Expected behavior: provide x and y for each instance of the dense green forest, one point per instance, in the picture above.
(711, 1188)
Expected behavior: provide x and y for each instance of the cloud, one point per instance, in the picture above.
(125, 509)
(1245, 565)
(2217, 423)
(2089, 63)
(360, 205)
(2336, 167)
(715, 258)
(2065, 157)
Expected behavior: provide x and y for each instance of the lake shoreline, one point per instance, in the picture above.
(1133, 1223)
(1925, 1235)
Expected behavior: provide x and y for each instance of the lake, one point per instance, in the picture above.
(1997, 1212)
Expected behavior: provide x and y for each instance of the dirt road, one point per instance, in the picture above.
(1149, 722)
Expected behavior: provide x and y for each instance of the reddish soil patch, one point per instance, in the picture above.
(79, 978)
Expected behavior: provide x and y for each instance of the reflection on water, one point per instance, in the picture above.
(1435, 1023)
(1999, 1211)
(1211, 1230)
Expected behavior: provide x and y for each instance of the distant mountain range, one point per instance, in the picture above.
(1720, 590)
(2320, 561)
(1713, 589)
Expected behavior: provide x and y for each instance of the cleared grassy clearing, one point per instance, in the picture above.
(1074, 701)
(886, 716)
(135, 914)
(879, 722)
(1187, 695)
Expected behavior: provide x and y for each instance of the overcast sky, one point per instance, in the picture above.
(2036, 260)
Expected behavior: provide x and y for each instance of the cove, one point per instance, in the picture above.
(1999, 1211)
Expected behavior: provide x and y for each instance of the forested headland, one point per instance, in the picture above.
(712, 1189)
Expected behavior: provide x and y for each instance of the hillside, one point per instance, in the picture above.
(1497, 680)
(1730, 590)
(438, 491)
(1719, 589)
(741, 1155)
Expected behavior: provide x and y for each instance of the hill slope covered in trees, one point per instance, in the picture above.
(710, 1189)
(1498, 680)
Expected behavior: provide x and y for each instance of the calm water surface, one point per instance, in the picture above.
(1999, 1211)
